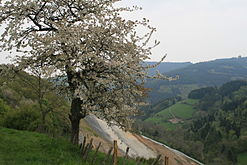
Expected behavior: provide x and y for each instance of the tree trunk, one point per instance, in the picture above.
(75, 118)
(75, 122)
(76, 111)
(42, 126)
(43, 118)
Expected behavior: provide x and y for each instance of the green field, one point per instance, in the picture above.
(27, 148)
(190, 101)
(182, 110)
(242, 159)
(30, 148)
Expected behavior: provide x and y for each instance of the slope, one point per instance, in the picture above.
(139, 145)
(29, 148)
(212, 128)
(26, 148)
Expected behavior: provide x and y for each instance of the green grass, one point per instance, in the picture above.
(27, 148)
(242, 158)
(183, 110)
(30, 148)
(190, 101)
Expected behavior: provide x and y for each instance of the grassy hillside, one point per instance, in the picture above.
(176, 114)
(27, 148)
(30, 148)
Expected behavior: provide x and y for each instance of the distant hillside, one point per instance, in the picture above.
(165, 67)
(211, 125)
(212, 73)
(224, 127)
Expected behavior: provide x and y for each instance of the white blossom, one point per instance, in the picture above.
(99, 51)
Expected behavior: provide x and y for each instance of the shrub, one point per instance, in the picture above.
(22, 119)
(4, 108)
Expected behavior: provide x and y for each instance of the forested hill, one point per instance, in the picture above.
(165, 67)
(211, 125)
(223, 130)
(212, 73)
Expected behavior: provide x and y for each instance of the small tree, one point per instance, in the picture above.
(98, 53)
(42, 89)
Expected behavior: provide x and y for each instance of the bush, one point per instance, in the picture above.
(4, 108)
(22, 119)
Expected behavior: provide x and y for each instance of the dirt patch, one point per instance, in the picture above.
(175, 121)
(173, 158)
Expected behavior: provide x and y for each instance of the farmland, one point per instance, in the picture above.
(176, 114)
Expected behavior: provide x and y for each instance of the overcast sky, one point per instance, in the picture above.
(195, 30)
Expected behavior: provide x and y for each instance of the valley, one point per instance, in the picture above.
(212, 121)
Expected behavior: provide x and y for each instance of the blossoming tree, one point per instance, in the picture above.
(88, 41)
